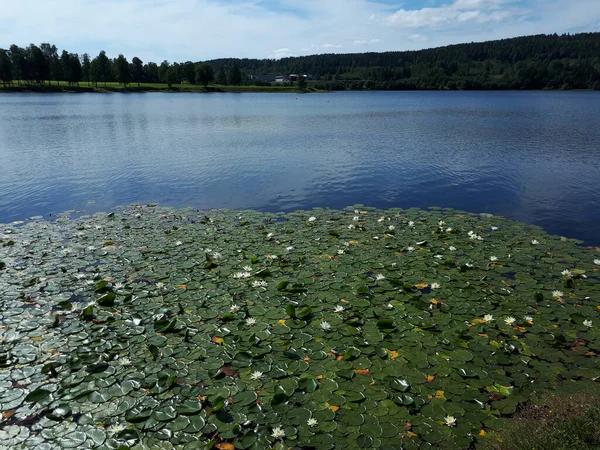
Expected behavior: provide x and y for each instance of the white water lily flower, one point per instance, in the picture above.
(448, 230)
(239, 275)
(116, 428)
(119, 286)
(269, 236)
(312, 422)
(410, 248)
(278, 433)
(351, 227)
(259, 283)
(356, 218)
(250, 321)
(234, 308)
(217, 255)
(380, 277)
(391, 227)
(557, 294)
(247, 268)
(510, 320)
(567, 273)
(411, 224)
(469, 265)
(80, 276)
(438, 257)
(435, 285)
(312, 219)
(450, 421)
(493, 258)
(587, 323)
(441, 223)
(528, 319)
(488, 318)
(256, 375)
(325, 325)
(124, 361)
(90, 282)
(273, 257)
(179, 243)
(452, 248)
(91, 248)
(289, 248)
(535, 242)
(347, 244)
(381, 219)
(160, 285)
(597, 262)
(471, 233)
(494, 228)
(389, 306)
(340, 252)
(338, 309)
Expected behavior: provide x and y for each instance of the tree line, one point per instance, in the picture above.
(42, 65)
(529, 62)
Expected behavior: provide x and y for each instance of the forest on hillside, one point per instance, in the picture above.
(530, 62)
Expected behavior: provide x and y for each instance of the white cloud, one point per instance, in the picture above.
(281, 53)
(460, 11)
(331, 46)
(367, 41)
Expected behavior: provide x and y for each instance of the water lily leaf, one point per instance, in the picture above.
(38, 395)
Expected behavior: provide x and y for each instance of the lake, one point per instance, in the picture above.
(529, 156)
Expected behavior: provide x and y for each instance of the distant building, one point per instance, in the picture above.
(290, 78)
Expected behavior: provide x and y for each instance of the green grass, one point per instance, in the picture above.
(63, 86)
(569, 421)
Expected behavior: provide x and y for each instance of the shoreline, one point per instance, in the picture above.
(114, 88)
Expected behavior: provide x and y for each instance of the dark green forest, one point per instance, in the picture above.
(530, 62)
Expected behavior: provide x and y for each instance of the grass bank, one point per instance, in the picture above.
(148, 87)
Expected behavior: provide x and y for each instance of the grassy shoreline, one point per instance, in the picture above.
(63, 87)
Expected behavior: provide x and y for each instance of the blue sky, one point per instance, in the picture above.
(180, 30)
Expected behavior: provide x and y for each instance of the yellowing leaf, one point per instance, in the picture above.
(182, 286)
(343, 300)
(430, 378)
(225, 446)
(421, 285)
(439, 394)
(363, 372)
(216, 340)
(478, 321)
(482, 433)
(353, 242)
(281, 321)
(393, 354)
(331, 407)
(412, 434)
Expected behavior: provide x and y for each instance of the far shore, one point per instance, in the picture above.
(113, 87)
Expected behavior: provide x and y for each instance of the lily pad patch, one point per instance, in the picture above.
(155, 327)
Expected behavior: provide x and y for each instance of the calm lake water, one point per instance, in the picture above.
(530, 156)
